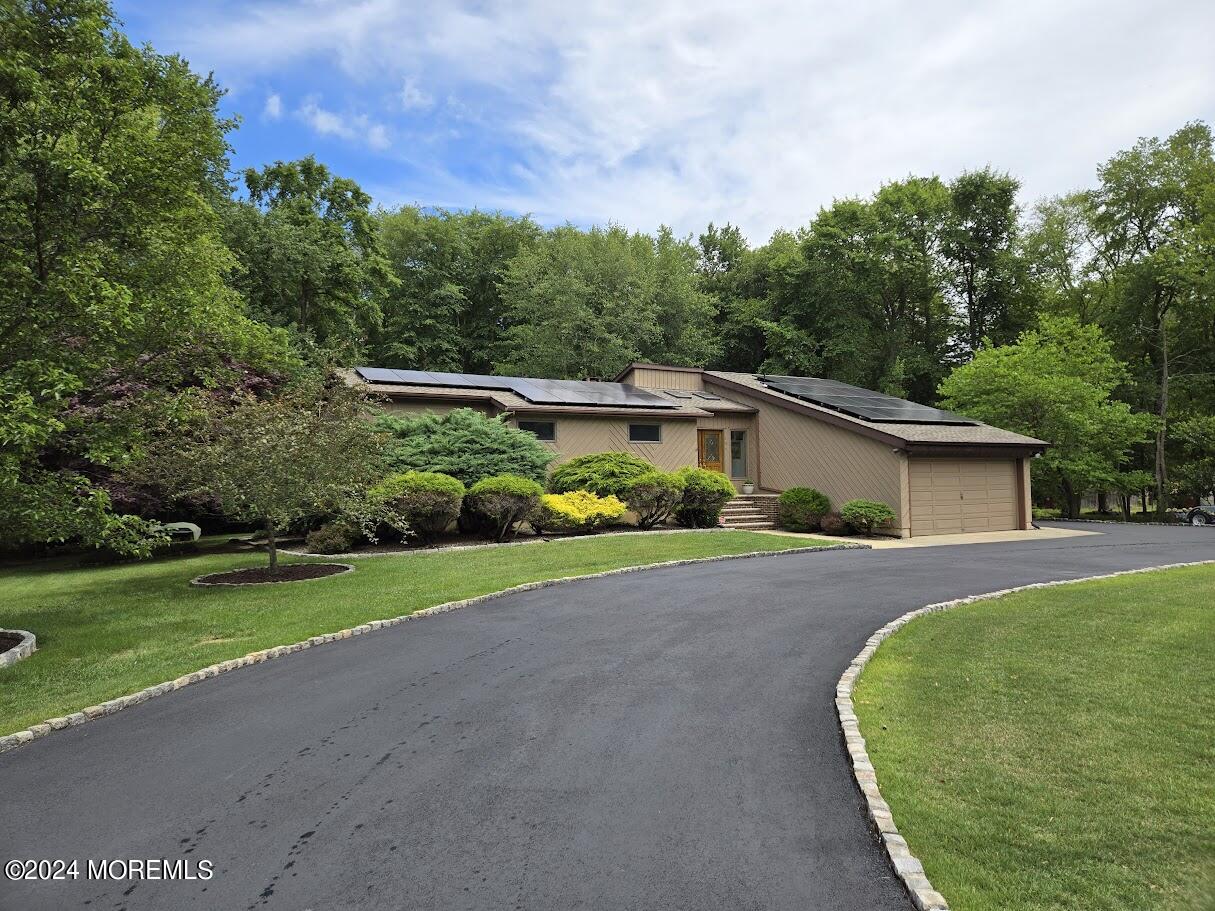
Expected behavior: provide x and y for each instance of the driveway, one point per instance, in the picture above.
(657, 740)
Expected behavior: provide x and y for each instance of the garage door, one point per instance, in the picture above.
(949, 496)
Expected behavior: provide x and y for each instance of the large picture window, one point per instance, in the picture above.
(544, 430)
(645, 433)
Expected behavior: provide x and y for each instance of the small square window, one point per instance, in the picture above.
(544, 430)
(645, 433)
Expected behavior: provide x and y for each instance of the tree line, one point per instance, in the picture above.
(134, 264)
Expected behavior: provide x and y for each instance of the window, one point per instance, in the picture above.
(738, 453)
(645, 433)
(544, 430)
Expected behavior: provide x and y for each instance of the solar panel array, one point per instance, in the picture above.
(860, 403)
(536, 391)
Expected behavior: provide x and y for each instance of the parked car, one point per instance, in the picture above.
(1200, 515)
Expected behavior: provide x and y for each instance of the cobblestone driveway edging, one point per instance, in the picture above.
(906, 864)
(111, 706)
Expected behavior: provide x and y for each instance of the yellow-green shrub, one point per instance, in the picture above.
(578, 510)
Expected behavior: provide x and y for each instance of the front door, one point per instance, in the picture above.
(709, 449)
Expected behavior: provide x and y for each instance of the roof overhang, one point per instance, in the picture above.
(975, 450)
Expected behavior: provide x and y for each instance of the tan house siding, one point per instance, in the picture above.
(799, 451)
(577, 435)
(653, 378)
(726, 423)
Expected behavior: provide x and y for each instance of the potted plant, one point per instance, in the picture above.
(748, 487)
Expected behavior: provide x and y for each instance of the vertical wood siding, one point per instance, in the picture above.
(795, 450)
(652, 378)
(578, 435)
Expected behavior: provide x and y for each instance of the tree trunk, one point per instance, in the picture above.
(1103, 502)
(1162, 470)
(1071, 502)
(271, 546)
(1126, 506)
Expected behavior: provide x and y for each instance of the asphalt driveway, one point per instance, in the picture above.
(663, 739)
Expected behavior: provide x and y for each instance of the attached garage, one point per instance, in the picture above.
(953, 496)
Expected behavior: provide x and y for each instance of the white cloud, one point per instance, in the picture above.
(356, 128)
(412, 97)
(274, 107)
(699, 110)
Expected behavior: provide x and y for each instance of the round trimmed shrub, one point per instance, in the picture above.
(704, 494)
(802, 508)
(503, 502)
(832, 524)
(653, 496)
(331, 538)
(426, 500)
(575, 511)
(866, 515)
(607, 474)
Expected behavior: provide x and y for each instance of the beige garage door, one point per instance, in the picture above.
(949, 496)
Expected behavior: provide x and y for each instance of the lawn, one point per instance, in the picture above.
(1054, 749)
(108, 631)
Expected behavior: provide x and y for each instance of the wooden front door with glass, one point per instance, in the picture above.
(710, 449)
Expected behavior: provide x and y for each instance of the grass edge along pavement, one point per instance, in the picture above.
(149, 608)
(957, 823)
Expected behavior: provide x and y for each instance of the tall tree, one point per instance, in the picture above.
(446, 313)
(112, 270)
(310, 253)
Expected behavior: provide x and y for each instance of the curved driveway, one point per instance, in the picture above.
(657, 740)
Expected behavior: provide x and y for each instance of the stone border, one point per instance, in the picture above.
(198, 580)
(1178, 524)
(9, 741)
(906, 864)
(27, 645)
(539, 539)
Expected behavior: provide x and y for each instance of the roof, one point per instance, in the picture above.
(912, 436)
(505, 400)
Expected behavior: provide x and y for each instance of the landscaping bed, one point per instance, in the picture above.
(109, 631)
(263, 575)
(1052, 749)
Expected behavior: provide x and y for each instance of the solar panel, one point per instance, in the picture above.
(860, 403)
(536, 391)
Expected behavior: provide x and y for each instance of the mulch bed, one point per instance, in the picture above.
(8, 641)
(289, 572)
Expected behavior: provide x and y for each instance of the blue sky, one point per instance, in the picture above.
(684, 113)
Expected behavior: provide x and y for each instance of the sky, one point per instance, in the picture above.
(756, 113)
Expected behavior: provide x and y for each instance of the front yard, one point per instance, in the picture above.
(108, 631)
(1054, 749)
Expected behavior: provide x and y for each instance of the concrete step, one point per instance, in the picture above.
(744, 516)
(750, 524)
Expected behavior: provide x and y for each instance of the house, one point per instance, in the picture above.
(940, 472)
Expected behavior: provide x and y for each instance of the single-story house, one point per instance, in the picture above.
(940, 472)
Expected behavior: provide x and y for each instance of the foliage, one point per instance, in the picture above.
(427, 501)
(310, 253)
(1055, 384)
(1196, 436)
(603, 473)
(704, 494)
(653, 496)
(866, 515)
(446, 310)
(575, 511)
(505, 501)
(308, 450)
(334, 537)
(464, 444)
(110, 158)
(802, 508)
(833, 523)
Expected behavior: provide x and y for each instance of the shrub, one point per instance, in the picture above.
(464, 444)
(704, 494)
(653, 496)
(503, 502)
(832, 524)
(866, 515)
(607, 474)
(331, 538)
(576, 511)
(803, 508)
(427, 501)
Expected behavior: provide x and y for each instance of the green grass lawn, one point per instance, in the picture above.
(108, 631)
(1055, 749)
